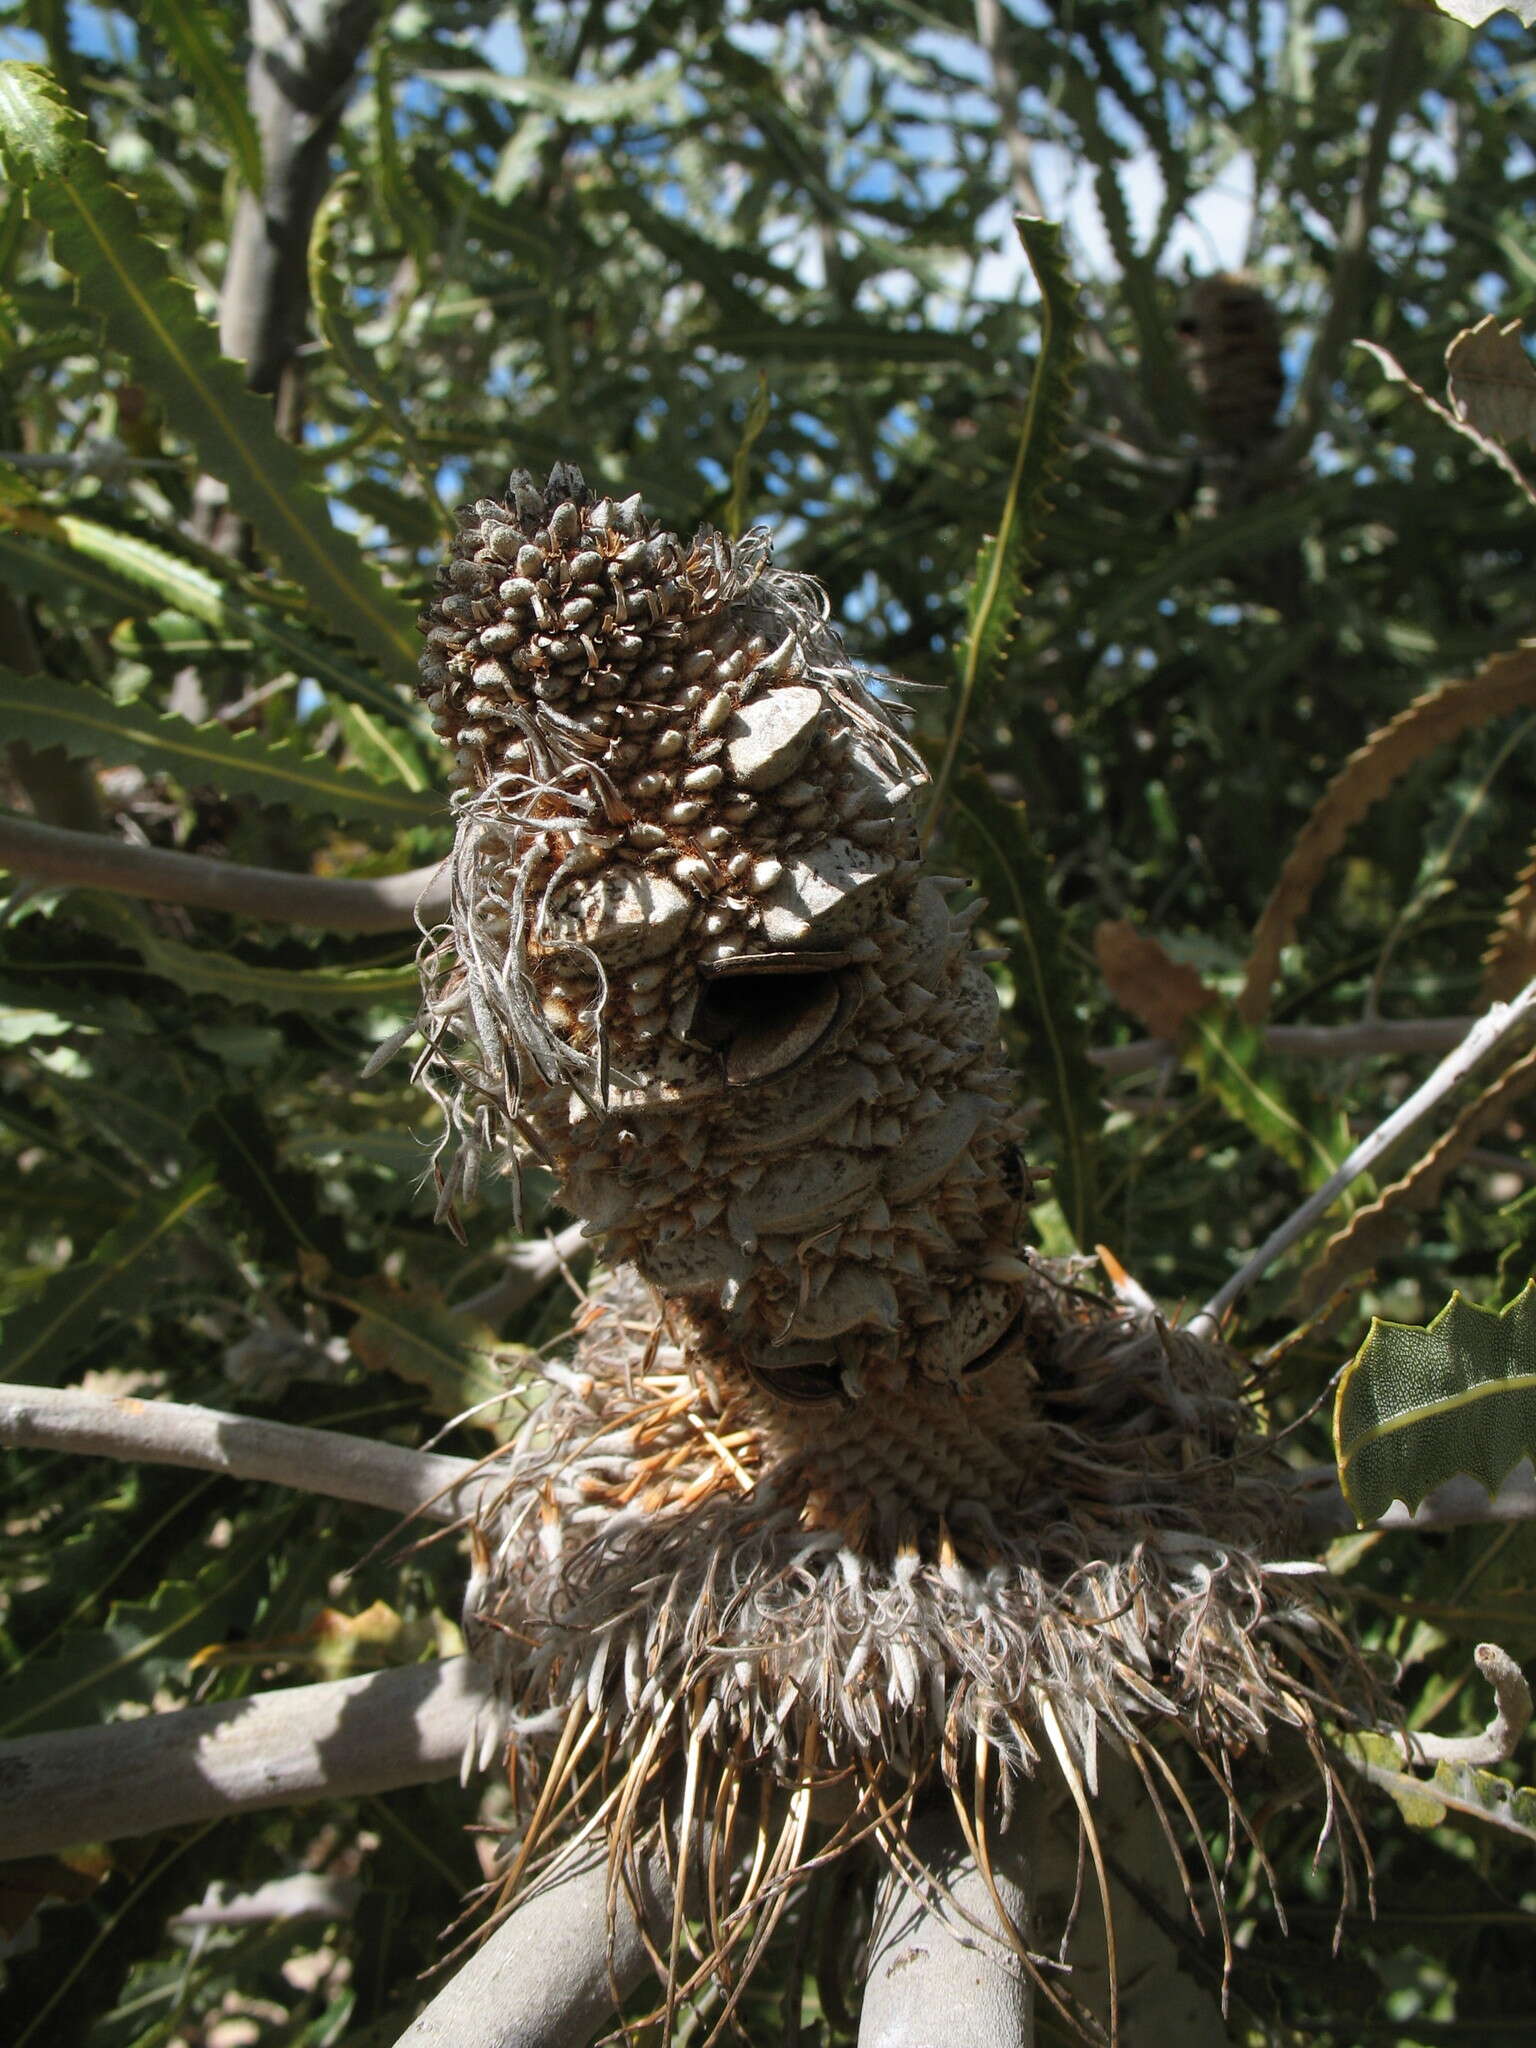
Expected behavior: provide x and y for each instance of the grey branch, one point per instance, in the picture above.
(1452, 1506)
(1494, 1029)
(1306, 1041)
(530, 1266)
(307, 1895)
(88, 860)
(1499, 1740)
(1006, 93)
(341, 1740)
(303, 56)
(547, 1977)
(323, 1461)
(940, 1970)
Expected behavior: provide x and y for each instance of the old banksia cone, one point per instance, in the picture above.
(840, 1487)
(707, 979)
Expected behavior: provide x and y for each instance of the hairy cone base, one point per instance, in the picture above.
(702, 972)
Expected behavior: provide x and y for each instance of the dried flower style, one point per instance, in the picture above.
(855, 1490)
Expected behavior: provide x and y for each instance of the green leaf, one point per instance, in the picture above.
(145, 1645)
(42, 1341)
(150, 316)
(45, 712)
(997, 589)
(109, 563)
(200, 970)
(193, 36)
(412, 1333)
(758, 415)
(1456, 1788)
(1229, 1058)
(1010, 871)
(1416, 1407)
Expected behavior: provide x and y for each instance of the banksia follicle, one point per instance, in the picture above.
(695, 963)
(1230, 340)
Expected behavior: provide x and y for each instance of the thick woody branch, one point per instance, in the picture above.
(548, 1977)
(375, 1733)
(88, 860)
(303, 56)
(323, 1461)
(936, 1972)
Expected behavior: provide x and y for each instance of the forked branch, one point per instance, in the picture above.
(553, 1973)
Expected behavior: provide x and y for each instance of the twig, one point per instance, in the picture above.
(89, 860)
(1455, 1505)
(375, 1733)
(940, 1968)
(1005, 97)
(1499, 1740)
(529, 1267)
(1489, 1031)
(307, 1895)
(551, 1974)
(1305, 1041)
(323, 1461)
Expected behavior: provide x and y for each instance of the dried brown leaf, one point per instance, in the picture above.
(1503, 683)
(1160, 992)
(1467, 430)
(1379, 1227)
(1510, 960)
(1491, 381)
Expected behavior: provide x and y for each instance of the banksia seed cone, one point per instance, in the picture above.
(708, 981)
(1230, 340)
(854, 1489)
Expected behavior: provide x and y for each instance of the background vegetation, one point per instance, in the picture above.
(756, 264)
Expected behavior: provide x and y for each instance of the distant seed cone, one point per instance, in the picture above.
(1230, 339)
(855, 1489)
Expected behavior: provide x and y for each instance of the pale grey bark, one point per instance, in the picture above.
(1496, 1743)
(530, 1266)
(1397, 1036)
(303, 56)
(1500, 1023)
(323, 1461)
(1451, 1506)
(936, 1980)
(90, 860)
(374, 1733)
(547, 1978)
(1160, 2001)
